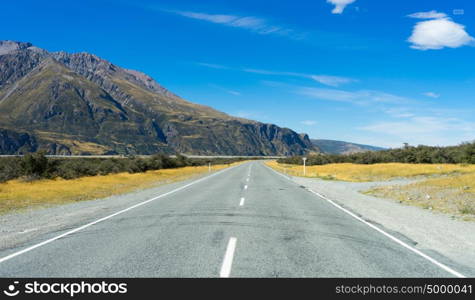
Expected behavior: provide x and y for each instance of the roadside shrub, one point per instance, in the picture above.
(181, 161)
(75, 168)
(34, 165)
(464, 153)
(137, 165)
(38, 166)
(9, 168)
(109, 166)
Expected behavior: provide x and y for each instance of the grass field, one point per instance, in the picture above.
(453, 194)
(18, 194)
(375, 172)
(442, 187)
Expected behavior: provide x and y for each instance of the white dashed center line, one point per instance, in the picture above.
(228, 258)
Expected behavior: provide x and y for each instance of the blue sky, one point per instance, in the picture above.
(367, 71)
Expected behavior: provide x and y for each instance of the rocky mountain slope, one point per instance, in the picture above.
(340, 147)
(81, 104)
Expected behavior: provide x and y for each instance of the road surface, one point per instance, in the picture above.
(246, 221)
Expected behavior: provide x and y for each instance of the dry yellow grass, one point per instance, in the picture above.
(375, 172)
(465, 182)
(451, 194)
(18, 194)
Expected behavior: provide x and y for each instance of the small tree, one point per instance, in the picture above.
(468, 151)
(181, 160)
(35, 165)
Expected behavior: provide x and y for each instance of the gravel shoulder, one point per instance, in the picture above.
(439, 234)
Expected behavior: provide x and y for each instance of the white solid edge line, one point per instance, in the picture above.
(8, 257)
(444, 267)
(228, 258)
(278, 173)
(435, 262)
(242, 202)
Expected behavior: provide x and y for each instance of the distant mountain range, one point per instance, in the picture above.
(340, 147)
(79, 103)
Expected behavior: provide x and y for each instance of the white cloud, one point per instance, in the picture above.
(438, 33)
(396, 119)
(218, 87)
(340, 5)
(254, 24)
(362, 97)
(308, 122)
(277, 73)
(398, 112)
(425, 130)
(427, 15)
(220, 19)
(331, 80)
(431, 94)
(235, 93)
(212, 66)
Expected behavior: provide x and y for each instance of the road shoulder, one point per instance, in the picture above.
(437, 233)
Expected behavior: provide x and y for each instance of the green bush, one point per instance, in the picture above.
(38, 166)
(464, 153)
(35, 165)
(9, 168)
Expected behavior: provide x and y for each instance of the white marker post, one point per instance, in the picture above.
(304, 166)
(209, 167)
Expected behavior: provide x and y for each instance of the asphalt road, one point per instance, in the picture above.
(247, 221)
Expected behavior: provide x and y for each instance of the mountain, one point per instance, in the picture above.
(82, 104)
(340, 147)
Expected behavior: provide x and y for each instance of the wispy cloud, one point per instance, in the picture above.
(329, 80)
(251, 23)
(425, 130)
(308, 123)
(276, 73)
(431, 95)
(438, 32)
(428, 15)
(212, 66)
(340, 5)
(232, 92)
(398, 119)
(398, 112)
(361, 97)
(332, 80)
